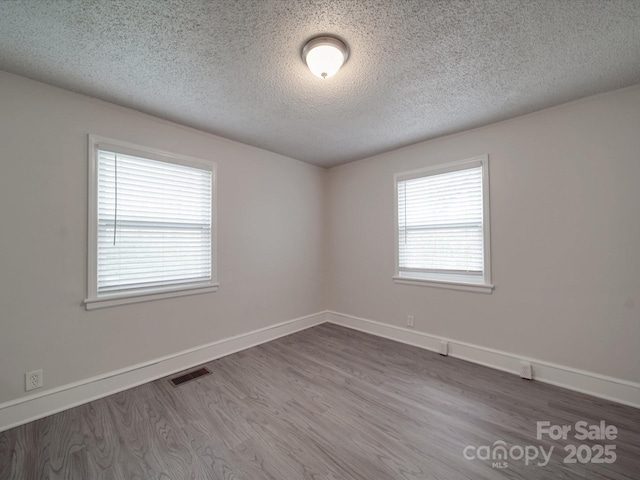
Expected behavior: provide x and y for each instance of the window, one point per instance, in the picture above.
(443, 226)
(151, 224)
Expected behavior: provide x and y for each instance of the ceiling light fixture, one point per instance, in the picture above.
(325, 55)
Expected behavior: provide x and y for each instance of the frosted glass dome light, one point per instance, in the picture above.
(324, 56)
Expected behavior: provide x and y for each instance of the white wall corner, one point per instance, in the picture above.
(32, 407)
(601, 386)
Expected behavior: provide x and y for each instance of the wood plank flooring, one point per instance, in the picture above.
(327, 403)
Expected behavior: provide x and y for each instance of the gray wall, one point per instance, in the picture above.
(565, 232)
(270, 234)
(295, 239)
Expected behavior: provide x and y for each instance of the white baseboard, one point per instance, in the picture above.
(48, 402)
(601, 386)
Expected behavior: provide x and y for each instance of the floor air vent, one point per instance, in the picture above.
(187, 377)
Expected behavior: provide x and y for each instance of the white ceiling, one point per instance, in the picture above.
(417, 68)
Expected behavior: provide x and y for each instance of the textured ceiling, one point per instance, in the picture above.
(417, 68)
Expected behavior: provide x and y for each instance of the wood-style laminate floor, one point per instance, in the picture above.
(327, 403)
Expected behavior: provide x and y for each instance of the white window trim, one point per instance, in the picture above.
(93, 301)
(462, 282)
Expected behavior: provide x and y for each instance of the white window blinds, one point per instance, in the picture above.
(153, 224)
(440, 222)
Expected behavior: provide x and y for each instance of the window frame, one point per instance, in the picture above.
(93, 300)
(450, 281)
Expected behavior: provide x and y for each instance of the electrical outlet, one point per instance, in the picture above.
(410, 321)
(33, 380)
(526, 371)
(444, 348)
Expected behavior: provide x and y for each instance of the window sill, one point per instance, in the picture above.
(115, 300)
(451, 285)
